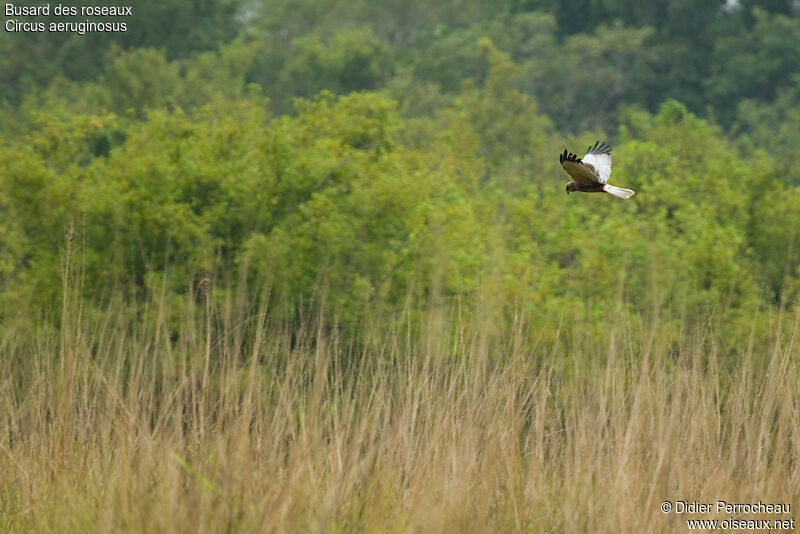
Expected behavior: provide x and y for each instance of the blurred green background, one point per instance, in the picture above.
(365, 155)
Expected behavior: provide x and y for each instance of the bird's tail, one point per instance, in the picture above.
(618, 191)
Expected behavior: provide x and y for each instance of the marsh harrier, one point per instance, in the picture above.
(591, 173)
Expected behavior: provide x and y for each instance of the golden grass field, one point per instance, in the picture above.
(245, 423)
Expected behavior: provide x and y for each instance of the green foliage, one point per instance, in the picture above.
(582, 60)
(443, 187)
(350, 60)
(583, 82)
(757, 64)
(139, 80)
(348, 204)
(41, 184)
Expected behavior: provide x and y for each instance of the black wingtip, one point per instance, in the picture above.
(599, 148)
(568, 156)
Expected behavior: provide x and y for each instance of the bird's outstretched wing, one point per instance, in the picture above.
(599, 157)
(576, 168)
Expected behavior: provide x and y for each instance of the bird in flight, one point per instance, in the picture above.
(591, 173)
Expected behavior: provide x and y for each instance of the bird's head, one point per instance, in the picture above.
(571, 186)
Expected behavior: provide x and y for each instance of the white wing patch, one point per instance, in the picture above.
(599, 157)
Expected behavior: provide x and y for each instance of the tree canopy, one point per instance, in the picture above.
(387, 152)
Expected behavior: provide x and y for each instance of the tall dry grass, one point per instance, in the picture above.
(227, 420)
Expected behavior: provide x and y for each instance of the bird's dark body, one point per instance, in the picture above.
(585, 188)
